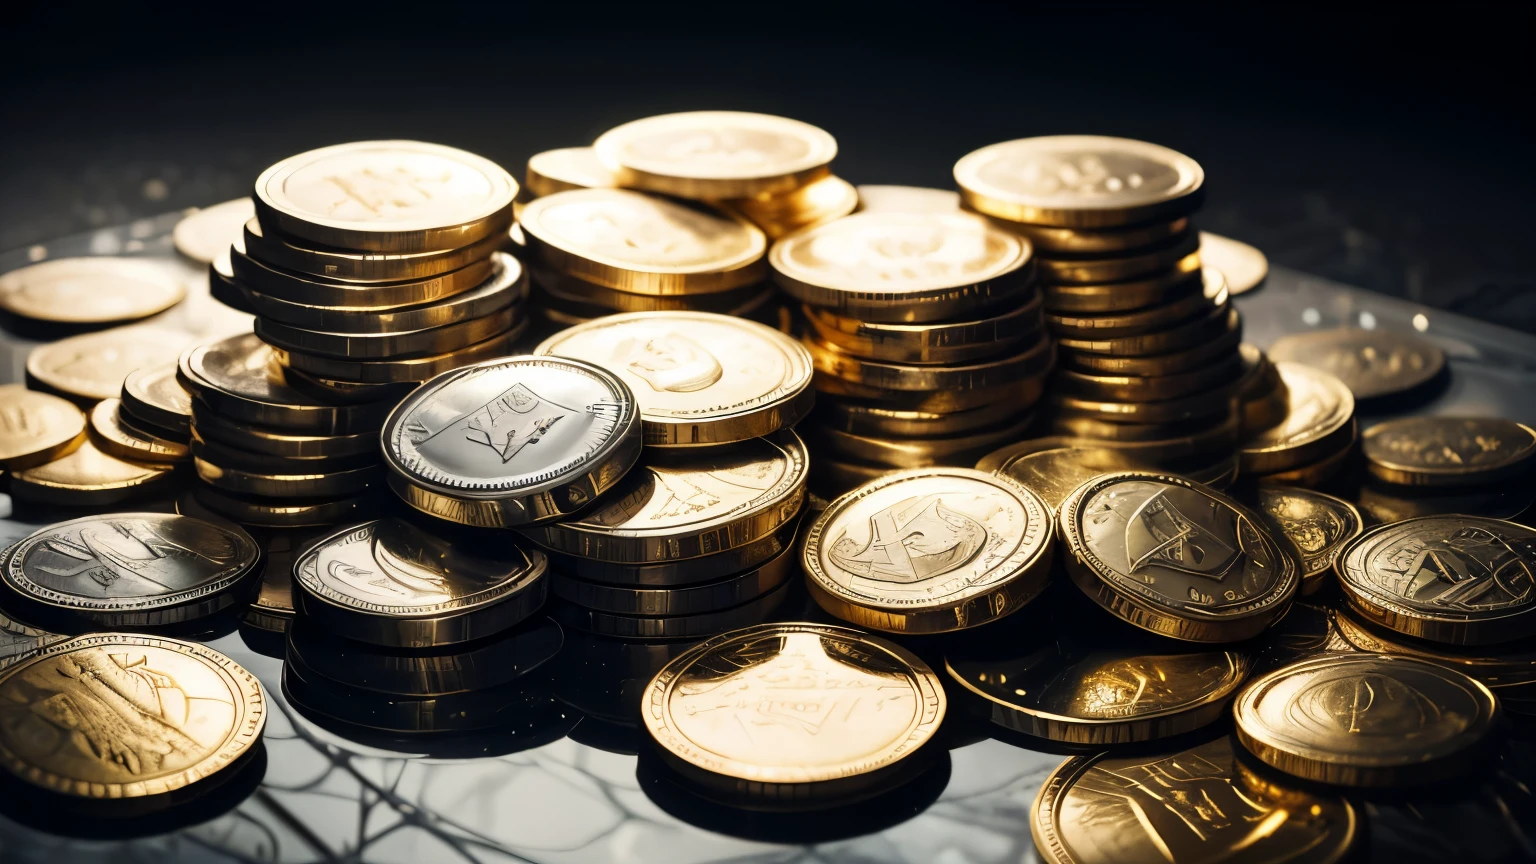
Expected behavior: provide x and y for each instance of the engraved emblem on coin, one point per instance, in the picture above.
(1146, 685)
(670, 362)
(1317, 524)
(1438, 563)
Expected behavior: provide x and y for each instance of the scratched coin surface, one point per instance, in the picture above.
(699, 378)
(1461, 580)
(208, 233)
(1319, 422)
(930, 550)
(1318, 525)
(96, 290)
(1175, 558)
(115, 715)
(93, 365)
(793, 705)
(1195, 805)
(1366, 720)
(716, 154)
(1448, 451)
(36, 427)
(1371, 363)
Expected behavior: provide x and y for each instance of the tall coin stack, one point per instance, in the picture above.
(1147, 340)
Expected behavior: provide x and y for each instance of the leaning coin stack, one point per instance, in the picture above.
(925, 331)
(1422, 466)
(1313, 440)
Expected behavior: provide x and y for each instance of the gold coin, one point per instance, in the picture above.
(1172, 440)
(930, 550)
(153, 395)
(1318, 525)
(341, 265)
(1139, 264)
(1029, 364)
(92, 366)
(97, 290)
(334, 484)
(1502, 672)
(564, 169)
(399, 345)
(645, 244)
(267, 289)
(577, 296)
(1448, 451)
(669, 601)
(1312, 474)
(1220, 374)
(1175, 558)
(1319, 422)
(960, 450)
(222, 285)
(1080, 181)
(813, 204)
(1456, 579)
(19, 641)
(712, 567)
(1211, 404)
(1008, 331)
(169, 713)
(1212, 338)
(1372, 720)
(1245, 267)
(286, 514)
(903, 267)
(699, 378)
(1184, 278)
(853, 749)
(239, 379)
(1054, 467)
(1204, 329)
(117, 437)
(1114, 241)
(908, 199)
(1214, 294)
(1371, 363)
(401, 370)
(36, 428)
(208, 232)
(716, 154)
(87, 477)
(257, 440)
(879, 421)
(386, 196)
(1195, 804)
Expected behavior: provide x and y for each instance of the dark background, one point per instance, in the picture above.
(1384, 148)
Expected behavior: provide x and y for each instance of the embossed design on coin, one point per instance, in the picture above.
(1371, 363)
(94, 290)
(1318, 525)
(716, 154)
(1448, 451)
(122, 716)
(35, 428)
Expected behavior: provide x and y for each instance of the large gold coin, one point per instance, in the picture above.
(564, 169)
(1371, 363)
(578, 297)
(716, 154)
(92, 366)
(87, 477)
(903, 267)
(812, 204)
(36, 427)
(1448, 451)
(1199, 804)
(1080, 181)
(209, 232)
(1175, 558)
(908, 199)
(1007, 331)
(386, 196)
(930, 550)
(1373, 720)
(153, 395)
(1318, 525)
(118, 437)
(1244, 266)
(115, 715)
(877, 706)
(98, 290)
(1319, 423)
(630, 241)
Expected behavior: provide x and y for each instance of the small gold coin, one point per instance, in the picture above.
(1319, 422)
(268, 289)
(1318, 525)
(716, 154)
(92, 366)
(87, 477)
(36, 428)
(1080, 181)
(1110, 242)
(98, 290)
(1372, 720)
(210, 231)
(1244, 266)
(813, 204)
(1371, 363)
(116, 437)
(386, 196)
(1220, 374)
(1156, 441)
(169, 713)
(903, 267)
(856, 750)
(645, 244)
(1197, 804)
(153, 395)
(564, 169)
(1448, 451)
(908, 199)
(1138, 264)
(930, 550)
(1211, 404)
(578, 297)
(1007, 331)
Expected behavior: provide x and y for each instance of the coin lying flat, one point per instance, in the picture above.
(91, 367)
(410, 269)
(903, 267)
(131, 569)
(1079, 181)
(398, 345)
(1459, 580)
(877, 706)
(921, 453)
(1213, 338)
(152, 394)
(36, 428)
(908, 199)
(87, 477)
(564, 169)
(1175, 558)
(930, 550)
(404, 369)
(644, 244)
(1448, 451)
(874, 376)
(716, 154)
(1006, 331)
(699, 378)
(113, 715)
(877, 420)
(329, 484)
(116, 436)
(1372, 363)
(1318, 525)
(97, 290)
(1150, 319)
(1197, 804)
(815, 203)
(1319, 422)
(461, 446)
(209, 232)
(1372, 720)
(1244, 266)
(1509, 674)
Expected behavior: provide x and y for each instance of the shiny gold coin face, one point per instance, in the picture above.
(716, 154)
(96, 290)
(1462, 580)
(1244, 266)
(870, 704)
(1195, 805)
(88, 476)
(565, 169)
(208, 233)
(153, 394)
(1058, 467)
(35, 427)
(908, 199)
(930, 549)
(1078, 181)
(1371, 363)
(1318, 525)
(1320, 410)
(93, 365)
(119, 439)
(1365, 719)
(1448, 451)
(699, 378)
(115, 715)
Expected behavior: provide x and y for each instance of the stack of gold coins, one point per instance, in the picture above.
(1422, 466)
(1314, 437)
(926, 333)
